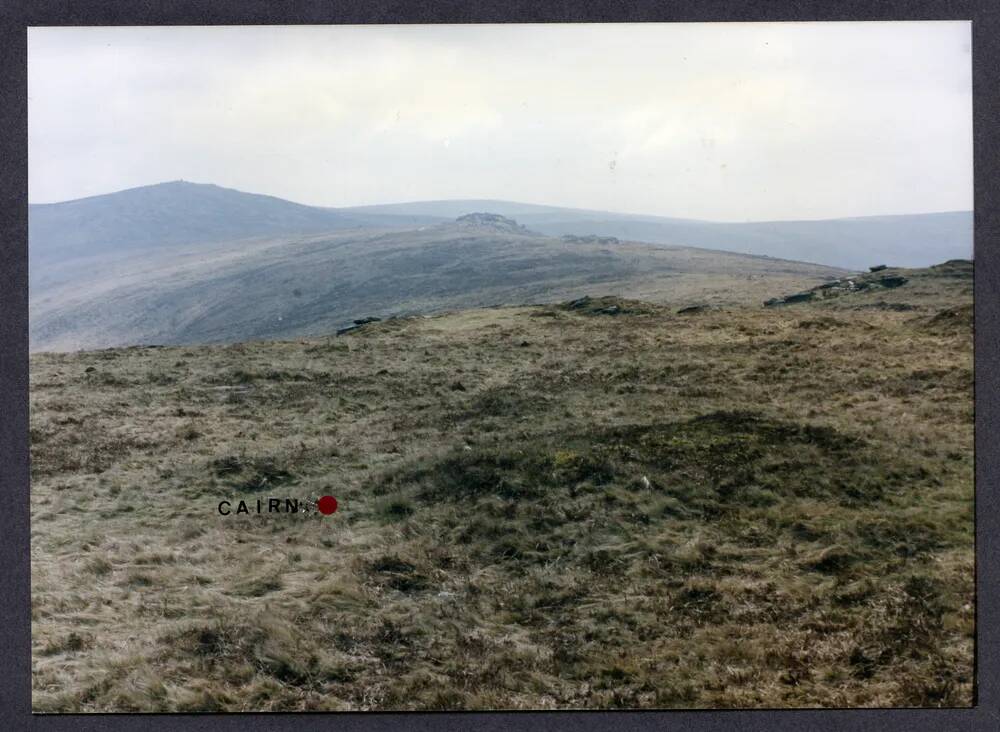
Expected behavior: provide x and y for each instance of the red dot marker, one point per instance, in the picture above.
(326, 505)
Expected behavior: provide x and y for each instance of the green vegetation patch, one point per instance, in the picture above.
(719, 462)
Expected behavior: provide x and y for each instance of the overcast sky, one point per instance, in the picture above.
(715, 121)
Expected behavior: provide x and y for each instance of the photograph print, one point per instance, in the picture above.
(501, 367)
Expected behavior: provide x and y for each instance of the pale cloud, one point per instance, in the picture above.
(728, 121)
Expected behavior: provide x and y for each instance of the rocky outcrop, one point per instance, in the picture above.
(791, 299)
(589, 239)
(494, 222)
(694, 309)
(358, 324)
(836, 288)
(607, 305)
(892, 281)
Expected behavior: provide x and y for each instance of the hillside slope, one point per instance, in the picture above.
(593, 506)
(159, 217)
(166, 214)
(308, 285)
(915, 240)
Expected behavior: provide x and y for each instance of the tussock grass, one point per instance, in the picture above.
(746, 508)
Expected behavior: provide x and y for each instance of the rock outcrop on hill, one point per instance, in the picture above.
(494, 222)
(838, 287)
(589, 239)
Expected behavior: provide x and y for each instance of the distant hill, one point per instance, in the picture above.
(166, 215)
(912, 240)
(307, 285)
(187, 263)
(179, 213)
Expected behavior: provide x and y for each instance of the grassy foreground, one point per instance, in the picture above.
(613, 505)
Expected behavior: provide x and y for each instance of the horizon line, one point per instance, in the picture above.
(503, 200)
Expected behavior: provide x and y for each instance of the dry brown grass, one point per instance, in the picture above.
(540, 508)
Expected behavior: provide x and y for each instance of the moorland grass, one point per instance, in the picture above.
(733, 507)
